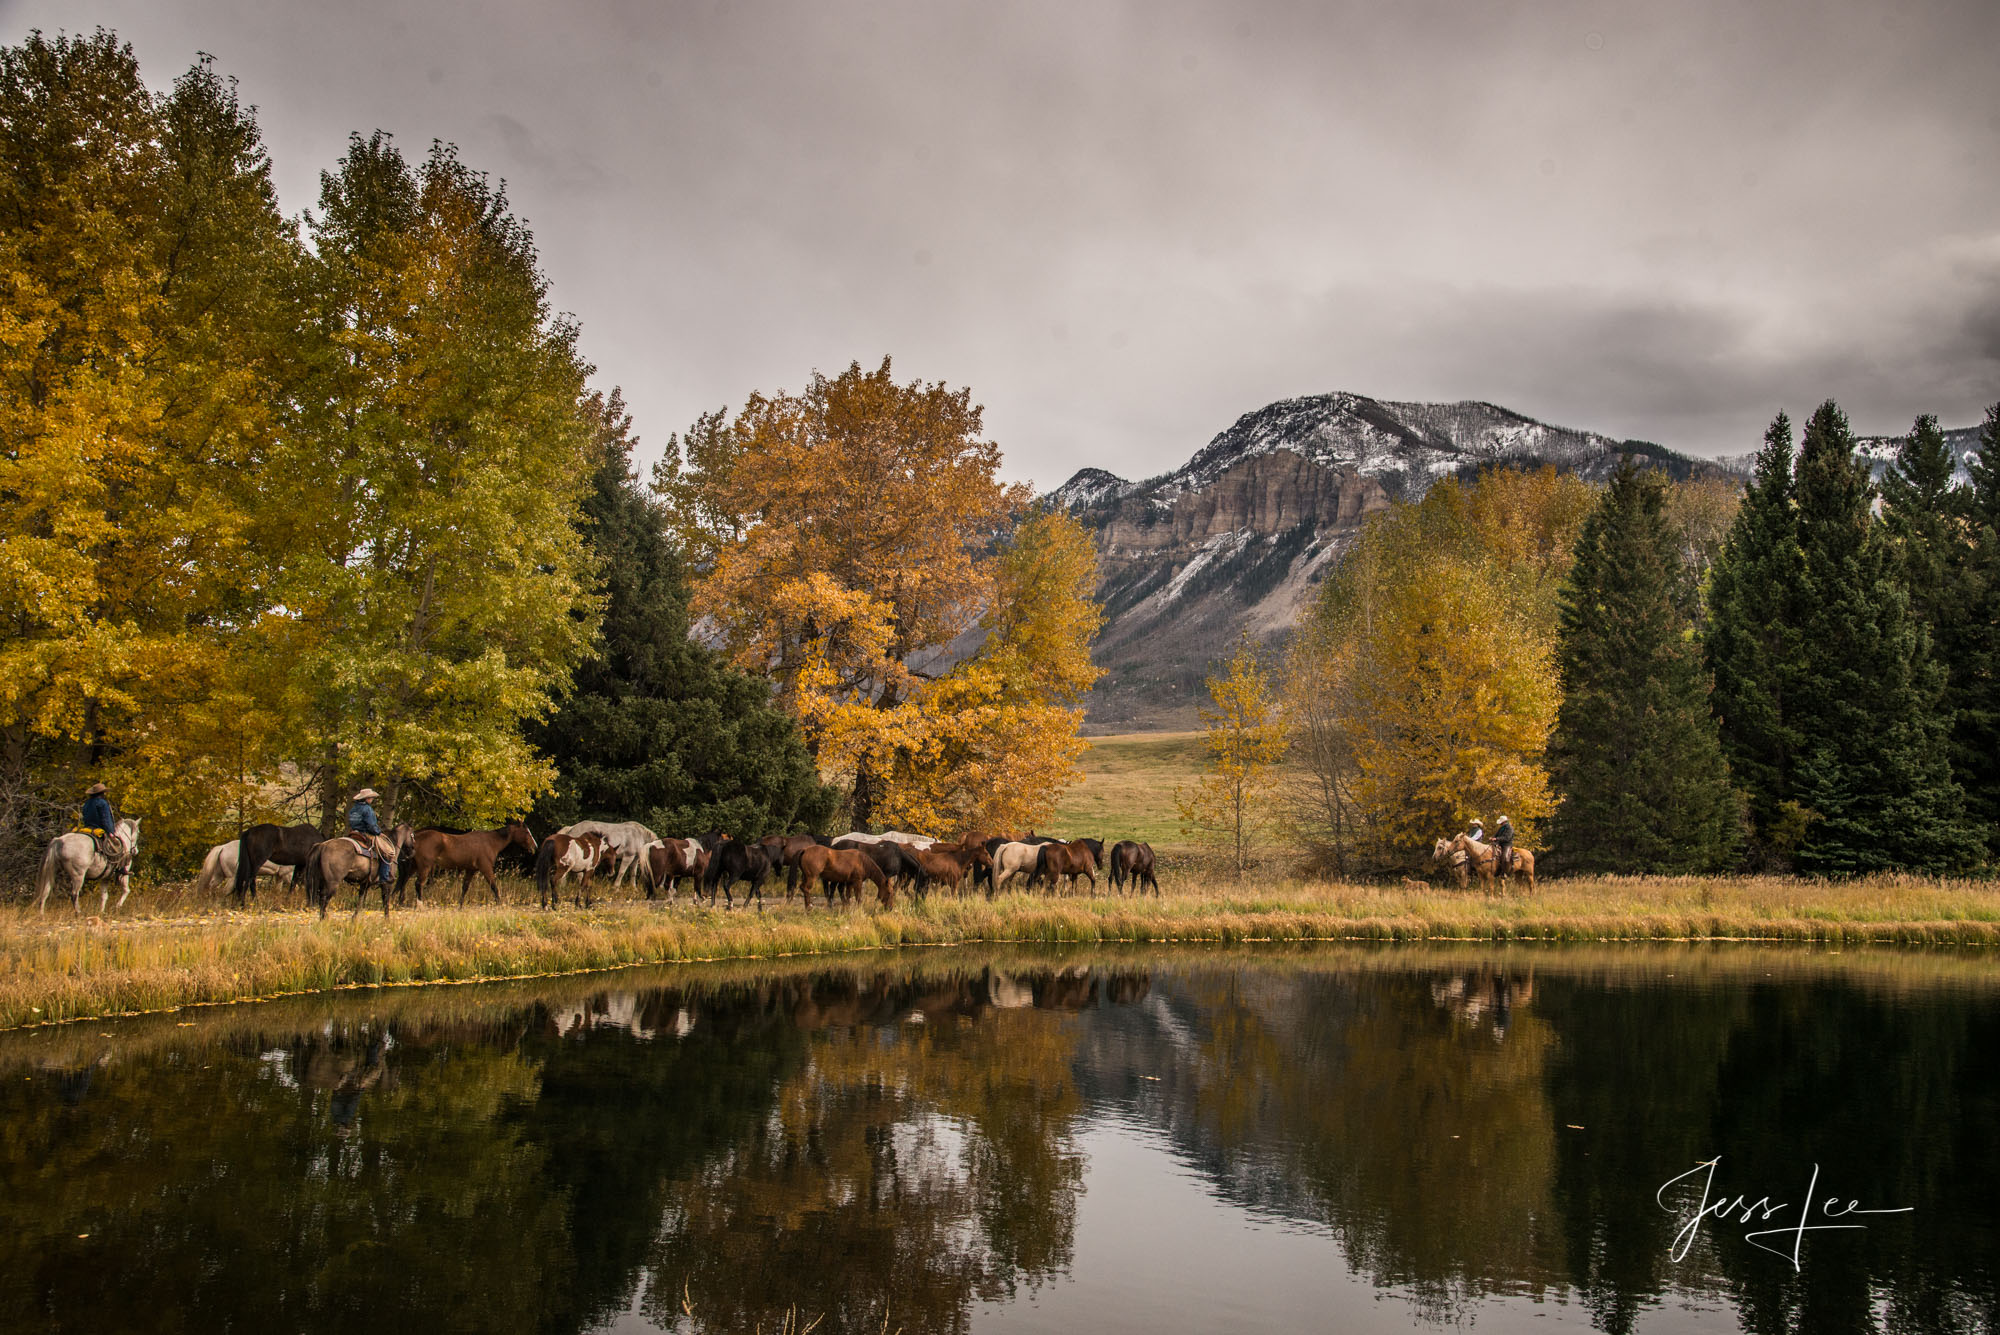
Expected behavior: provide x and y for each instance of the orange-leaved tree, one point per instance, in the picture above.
(847, 537)
(1245, 741)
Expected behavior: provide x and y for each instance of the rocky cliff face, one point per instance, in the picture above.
(1238, 536)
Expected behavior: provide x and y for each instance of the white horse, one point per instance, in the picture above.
(628, 841)
(77, 858)
(896, 836)
(219, 868)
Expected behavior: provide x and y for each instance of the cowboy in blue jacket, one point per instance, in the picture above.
(98, 819)
(361, 819)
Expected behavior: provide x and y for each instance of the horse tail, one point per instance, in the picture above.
(45, 879)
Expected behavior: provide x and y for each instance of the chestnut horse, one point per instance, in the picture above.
(473, 854)
(846, 868)
(1069, 860)
(941, 864)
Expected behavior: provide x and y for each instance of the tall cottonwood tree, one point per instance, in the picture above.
(846, 537)
(440, 593)
(150, 334)
(1635, 754)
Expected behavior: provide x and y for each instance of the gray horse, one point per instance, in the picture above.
(77, 858)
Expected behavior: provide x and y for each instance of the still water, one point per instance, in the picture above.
(1163, 1141)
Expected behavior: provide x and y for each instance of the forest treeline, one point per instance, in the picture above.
(293, 505)
(1655, 676)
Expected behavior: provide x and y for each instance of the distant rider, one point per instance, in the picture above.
(1503, 840)
(98, 819)
(361, 819)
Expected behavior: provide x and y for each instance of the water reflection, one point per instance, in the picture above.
(908, 1146)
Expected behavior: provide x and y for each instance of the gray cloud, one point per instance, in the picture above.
(1124, 223)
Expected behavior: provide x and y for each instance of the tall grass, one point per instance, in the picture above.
(58, 967)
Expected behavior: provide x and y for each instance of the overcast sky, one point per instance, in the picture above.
(1125, 224)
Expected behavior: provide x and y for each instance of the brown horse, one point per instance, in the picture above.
(1069, 860)
(564, 855)
(473, 854)
(846, 868)
(354, 857)
(940, 864)
(668, 861)
(1483, 858)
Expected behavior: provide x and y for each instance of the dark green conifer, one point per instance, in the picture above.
(1753, 649)
(1873, 765)
(1635, 752)
(1974, 653)
(657, 727)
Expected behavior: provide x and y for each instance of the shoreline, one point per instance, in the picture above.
(59, 970)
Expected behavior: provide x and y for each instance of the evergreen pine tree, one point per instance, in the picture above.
(1635, 751)
(658, 728)
(1753, 647)
(1873, 765)
(1974, 663)
(1921, 509)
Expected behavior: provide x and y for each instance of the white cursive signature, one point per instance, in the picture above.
(1762, 1210)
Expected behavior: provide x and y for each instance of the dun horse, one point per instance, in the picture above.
(1482, 858)
(352, 857)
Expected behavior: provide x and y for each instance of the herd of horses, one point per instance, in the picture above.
(628, 853)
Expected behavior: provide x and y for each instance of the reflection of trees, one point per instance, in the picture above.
(901, 1174)
(313, 1184)
(1403, 1119)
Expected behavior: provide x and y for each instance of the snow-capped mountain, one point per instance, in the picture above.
(1880, 451)
(1238, 536)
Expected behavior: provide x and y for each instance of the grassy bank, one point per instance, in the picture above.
(59, 968)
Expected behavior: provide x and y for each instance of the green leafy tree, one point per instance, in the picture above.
(1754, 650)
(1635, 751)
(658, 727)
(1873, 765)
(440, 596)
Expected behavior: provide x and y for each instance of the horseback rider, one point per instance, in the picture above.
(98, 820)
(1477, 833)
(361, 819)
(1503, 842)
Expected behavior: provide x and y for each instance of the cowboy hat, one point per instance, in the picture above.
(94, 790)
(366, 794)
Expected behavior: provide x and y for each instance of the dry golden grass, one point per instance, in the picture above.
(59, 967)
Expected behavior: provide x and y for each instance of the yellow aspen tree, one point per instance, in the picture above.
(1245, 740)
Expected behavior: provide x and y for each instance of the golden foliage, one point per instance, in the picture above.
(1245, 740)
(847, 538)
(1432, 659)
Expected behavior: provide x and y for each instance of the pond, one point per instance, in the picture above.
(1163, 1140)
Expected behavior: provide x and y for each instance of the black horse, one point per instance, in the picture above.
(731, 861)
(285, 845)
(1132, 861)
